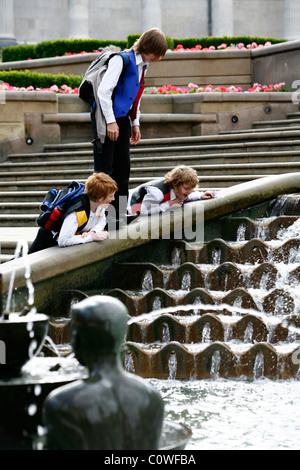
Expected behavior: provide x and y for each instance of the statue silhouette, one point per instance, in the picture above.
(111, 409)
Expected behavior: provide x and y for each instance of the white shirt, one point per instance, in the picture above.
(154, 196)
(67, 237)
(109, 83)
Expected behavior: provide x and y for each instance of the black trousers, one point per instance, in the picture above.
(43, 240)
(115, 161)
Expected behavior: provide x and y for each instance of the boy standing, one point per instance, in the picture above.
(118, 98)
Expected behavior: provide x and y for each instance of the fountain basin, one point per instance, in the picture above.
(22, 338)
(22, 398)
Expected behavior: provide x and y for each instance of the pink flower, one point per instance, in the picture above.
(54, 88)
(192, 85)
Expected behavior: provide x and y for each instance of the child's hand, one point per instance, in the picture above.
(208, 195)
(98, 236)
(136, 135)
(176, 202)
(112, 131)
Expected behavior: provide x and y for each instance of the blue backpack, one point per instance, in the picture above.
(57, 204)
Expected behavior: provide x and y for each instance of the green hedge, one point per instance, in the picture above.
(62, 46)
(56, 48)
(39, 80)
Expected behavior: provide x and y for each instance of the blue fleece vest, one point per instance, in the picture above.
(127, 88)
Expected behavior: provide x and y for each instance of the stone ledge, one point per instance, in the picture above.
(276, 49)
(67, 118)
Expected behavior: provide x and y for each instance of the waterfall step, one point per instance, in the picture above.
(229, 308)
(175, 361)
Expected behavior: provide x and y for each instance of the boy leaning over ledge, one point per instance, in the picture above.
(99, 192)
(175, 189)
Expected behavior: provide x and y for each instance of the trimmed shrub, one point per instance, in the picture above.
(16, 53)
(39, 80)
(56, 48)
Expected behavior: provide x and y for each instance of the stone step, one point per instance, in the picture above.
(218, 158)
(147, 172)
(229, 137)
(48, 175)
(164, 159)
(256, 131)
(17, 207)
(21, 196)
(5, 257)
(208, 170)
(278, 149)
(8, 247)
(18, 220)
(44, 157)
(293, 115)
(10, 234)
(35, 185)
(46, 166)
(291, 122)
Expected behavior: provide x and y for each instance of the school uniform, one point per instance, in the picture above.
(70, 232)
(153, 198)
(68, 235)
(116, 98)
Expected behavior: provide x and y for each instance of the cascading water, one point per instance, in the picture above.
(247, 286)
(206, 333)
(215, 365)
(258, 368)
(172, 366)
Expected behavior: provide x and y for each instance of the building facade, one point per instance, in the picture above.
(33, 21)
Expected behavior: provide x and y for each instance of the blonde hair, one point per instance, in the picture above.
(182, 175)
(152, 41)
(99, 186)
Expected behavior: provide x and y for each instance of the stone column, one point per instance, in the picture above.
(151, 14)
(222, 17)
(291, 19)
(7, 23)
(78, 11)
